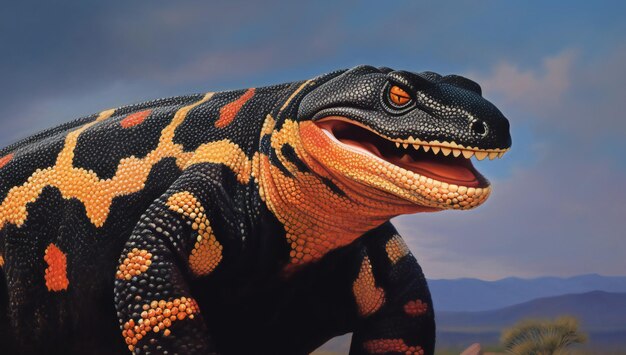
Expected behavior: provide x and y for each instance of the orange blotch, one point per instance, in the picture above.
(415, 308)
(1, 261)
(207, 252)
(396, 249)
(158, 316)
(384, 346)
(136, 262)
(369, 298)
(5, 160)
(56, 272)
(135, 118)
(230, 111)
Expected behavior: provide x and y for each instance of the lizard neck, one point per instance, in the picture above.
(319, 211)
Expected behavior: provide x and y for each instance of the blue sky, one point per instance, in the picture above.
(556, 69)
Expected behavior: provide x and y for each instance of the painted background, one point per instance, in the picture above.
(555, 68)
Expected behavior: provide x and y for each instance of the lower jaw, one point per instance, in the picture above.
(416, 193)
(406, 190)
(467, 177)
(397, 204)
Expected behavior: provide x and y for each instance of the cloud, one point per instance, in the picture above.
(66, 49)
(575, 92)
(49, 111)
(533, 89)
(62, 54)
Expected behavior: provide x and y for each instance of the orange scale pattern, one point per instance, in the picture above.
(383, 346)
(158, 316)
(415, 308)
(56, 272)
(207, 252)
(396, 249)
(94, 193)
(135, 119)
(229, 111)
(136, 262)
(369, 298)
(303, 202)
(5, 160)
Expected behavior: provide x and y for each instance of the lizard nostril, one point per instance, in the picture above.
(479, 127)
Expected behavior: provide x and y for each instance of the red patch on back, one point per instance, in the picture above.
(135, 118)
(5, 160)
(384, 346)
(56, 272)
(230, 111)
(415, 308)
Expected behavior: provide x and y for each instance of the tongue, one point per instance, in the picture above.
(442, 170)
(365, 147)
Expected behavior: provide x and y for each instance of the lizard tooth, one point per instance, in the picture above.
(456, 152)
(411, 139)
(481, 155)
(493, 155)
(436, 149)
(467, 154)
(397, 144)
(416, 146)
(405, 145)
(426, 148)
(446, 151)
(501, 154)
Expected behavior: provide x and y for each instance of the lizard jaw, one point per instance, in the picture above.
(365, 166)
(446, 168)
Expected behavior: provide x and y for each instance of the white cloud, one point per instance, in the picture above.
(534, 88)
(572, 92)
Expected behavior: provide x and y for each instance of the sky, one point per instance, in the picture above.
(556, 69)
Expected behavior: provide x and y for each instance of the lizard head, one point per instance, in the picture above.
(408, 135)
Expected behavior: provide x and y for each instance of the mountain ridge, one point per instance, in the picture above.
(468, 294)
(597, 311)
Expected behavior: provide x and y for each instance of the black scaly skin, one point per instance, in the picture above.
(248, 305)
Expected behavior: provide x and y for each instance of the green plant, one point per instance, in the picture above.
(542, 337)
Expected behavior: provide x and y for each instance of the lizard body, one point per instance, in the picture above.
(247, 221)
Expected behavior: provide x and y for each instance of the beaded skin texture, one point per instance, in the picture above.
(250, 221)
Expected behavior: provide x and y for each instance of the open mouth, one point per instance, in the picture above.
(446, 162)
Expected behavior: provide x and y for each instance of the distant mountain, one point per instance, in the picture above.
(602, 315)
(478, 295)
(597, 311)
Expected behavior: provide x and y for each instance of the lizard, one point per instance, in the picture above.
(249, 221)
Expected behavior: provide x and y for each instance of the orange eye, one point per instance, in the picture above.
(399, 96)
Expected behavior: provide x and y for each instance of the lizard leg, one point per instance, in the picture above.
(393, 302)
(156, 309)
(5, 329)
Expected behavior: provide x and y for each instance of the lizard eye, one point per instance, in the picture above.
(398, 96)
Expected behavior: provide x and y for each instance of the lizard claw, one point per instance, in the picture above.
(473, 349)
